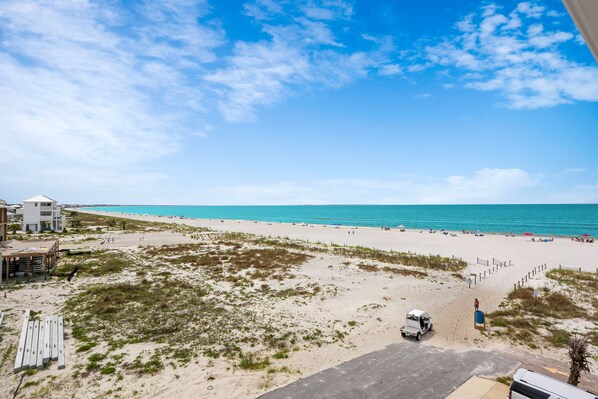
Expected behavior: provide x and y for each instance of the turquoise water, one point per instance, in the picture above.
(563, 220)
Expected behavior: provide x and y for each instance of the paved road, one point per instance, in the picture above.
(403, 370)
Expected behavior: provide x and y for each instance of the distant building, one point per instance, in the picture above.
(3, 221)
(42, 214)
(15, 214)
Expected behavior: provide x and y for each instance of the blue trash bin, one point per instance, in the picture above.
(479, 317)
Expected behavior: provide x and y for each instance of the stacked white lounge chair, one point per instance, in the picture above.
(41, 341)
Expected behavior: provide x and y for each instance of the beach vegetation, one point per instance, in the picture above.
(188, 316)
(559, 337)
(6, 354)
(523, 318)
(583, 283)
(405, 272)
(251, 362)
(281, 354)
(368, 268)
(108, 369)
(87, 223)
(236, 264)
(579, 357)
(402, 258)
(96, 264)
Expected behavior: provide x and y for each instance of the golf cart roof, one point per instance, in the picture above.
(416, 312)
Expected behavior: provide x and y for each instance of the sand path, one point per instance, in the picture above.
(454, 319)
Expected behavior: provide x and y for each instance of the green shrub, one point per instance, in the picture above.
(559, 338)
(249, 362)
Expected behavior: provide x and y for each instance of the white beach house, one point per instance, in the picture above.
(41, 213)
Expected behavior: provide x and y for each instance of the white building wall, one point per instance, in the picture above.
(31, 216)
(42, 215)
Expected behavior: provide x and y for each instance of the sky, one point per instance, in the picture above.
(296, 102)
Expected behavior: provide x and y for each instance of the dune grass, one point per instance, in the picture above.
(531, 321)
(99, 263)
(188, 317)
(401, 258)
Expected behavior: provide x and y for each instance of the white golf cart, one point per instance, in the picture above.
(417, 323)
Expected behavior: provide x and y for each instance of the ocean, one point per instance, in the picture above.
(558, 220)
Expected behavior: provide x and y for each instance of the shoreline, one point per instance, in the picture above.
(519, 249)
(329, 225)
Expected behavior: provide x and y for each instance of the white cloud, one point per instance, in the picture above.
(328, 9)
(418, 67)
(530, 9)
(262, 9)
(302, 51)
(422, 96)
(491, 185)
(89, 92)
(516, 57)
(203, 131)
(390, 70)
(258, 74)
(485, 186)
(569, 171)
(84, 184)
(579, 194)
(277, 193)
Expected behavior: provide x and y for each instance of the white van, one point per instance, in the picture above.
(530, 385)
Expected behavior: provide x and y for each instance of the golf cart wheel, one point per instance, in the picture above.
(418, 337)
(403, 334)
(431, 326)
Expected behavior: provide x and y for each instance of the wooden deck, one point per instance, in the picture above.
(28, 257)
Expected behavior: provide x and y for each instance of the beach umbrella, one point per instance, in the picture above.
(401, 227)
(586, 235)
(527, 233)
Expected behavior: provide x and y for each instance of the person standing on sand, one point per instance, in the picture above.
(476, 304)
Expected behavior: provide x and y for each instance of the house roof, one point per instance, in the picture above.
(16, 249)
(585, 15)
(40, 198)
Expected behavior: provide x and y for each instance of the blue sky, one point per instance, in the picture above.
(296, 102)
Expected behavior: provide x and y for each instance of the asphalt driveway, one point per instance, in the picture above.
(404, 370)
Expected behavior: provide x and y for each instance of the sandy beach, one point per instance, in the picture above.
(520, 249)
(374, 303)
